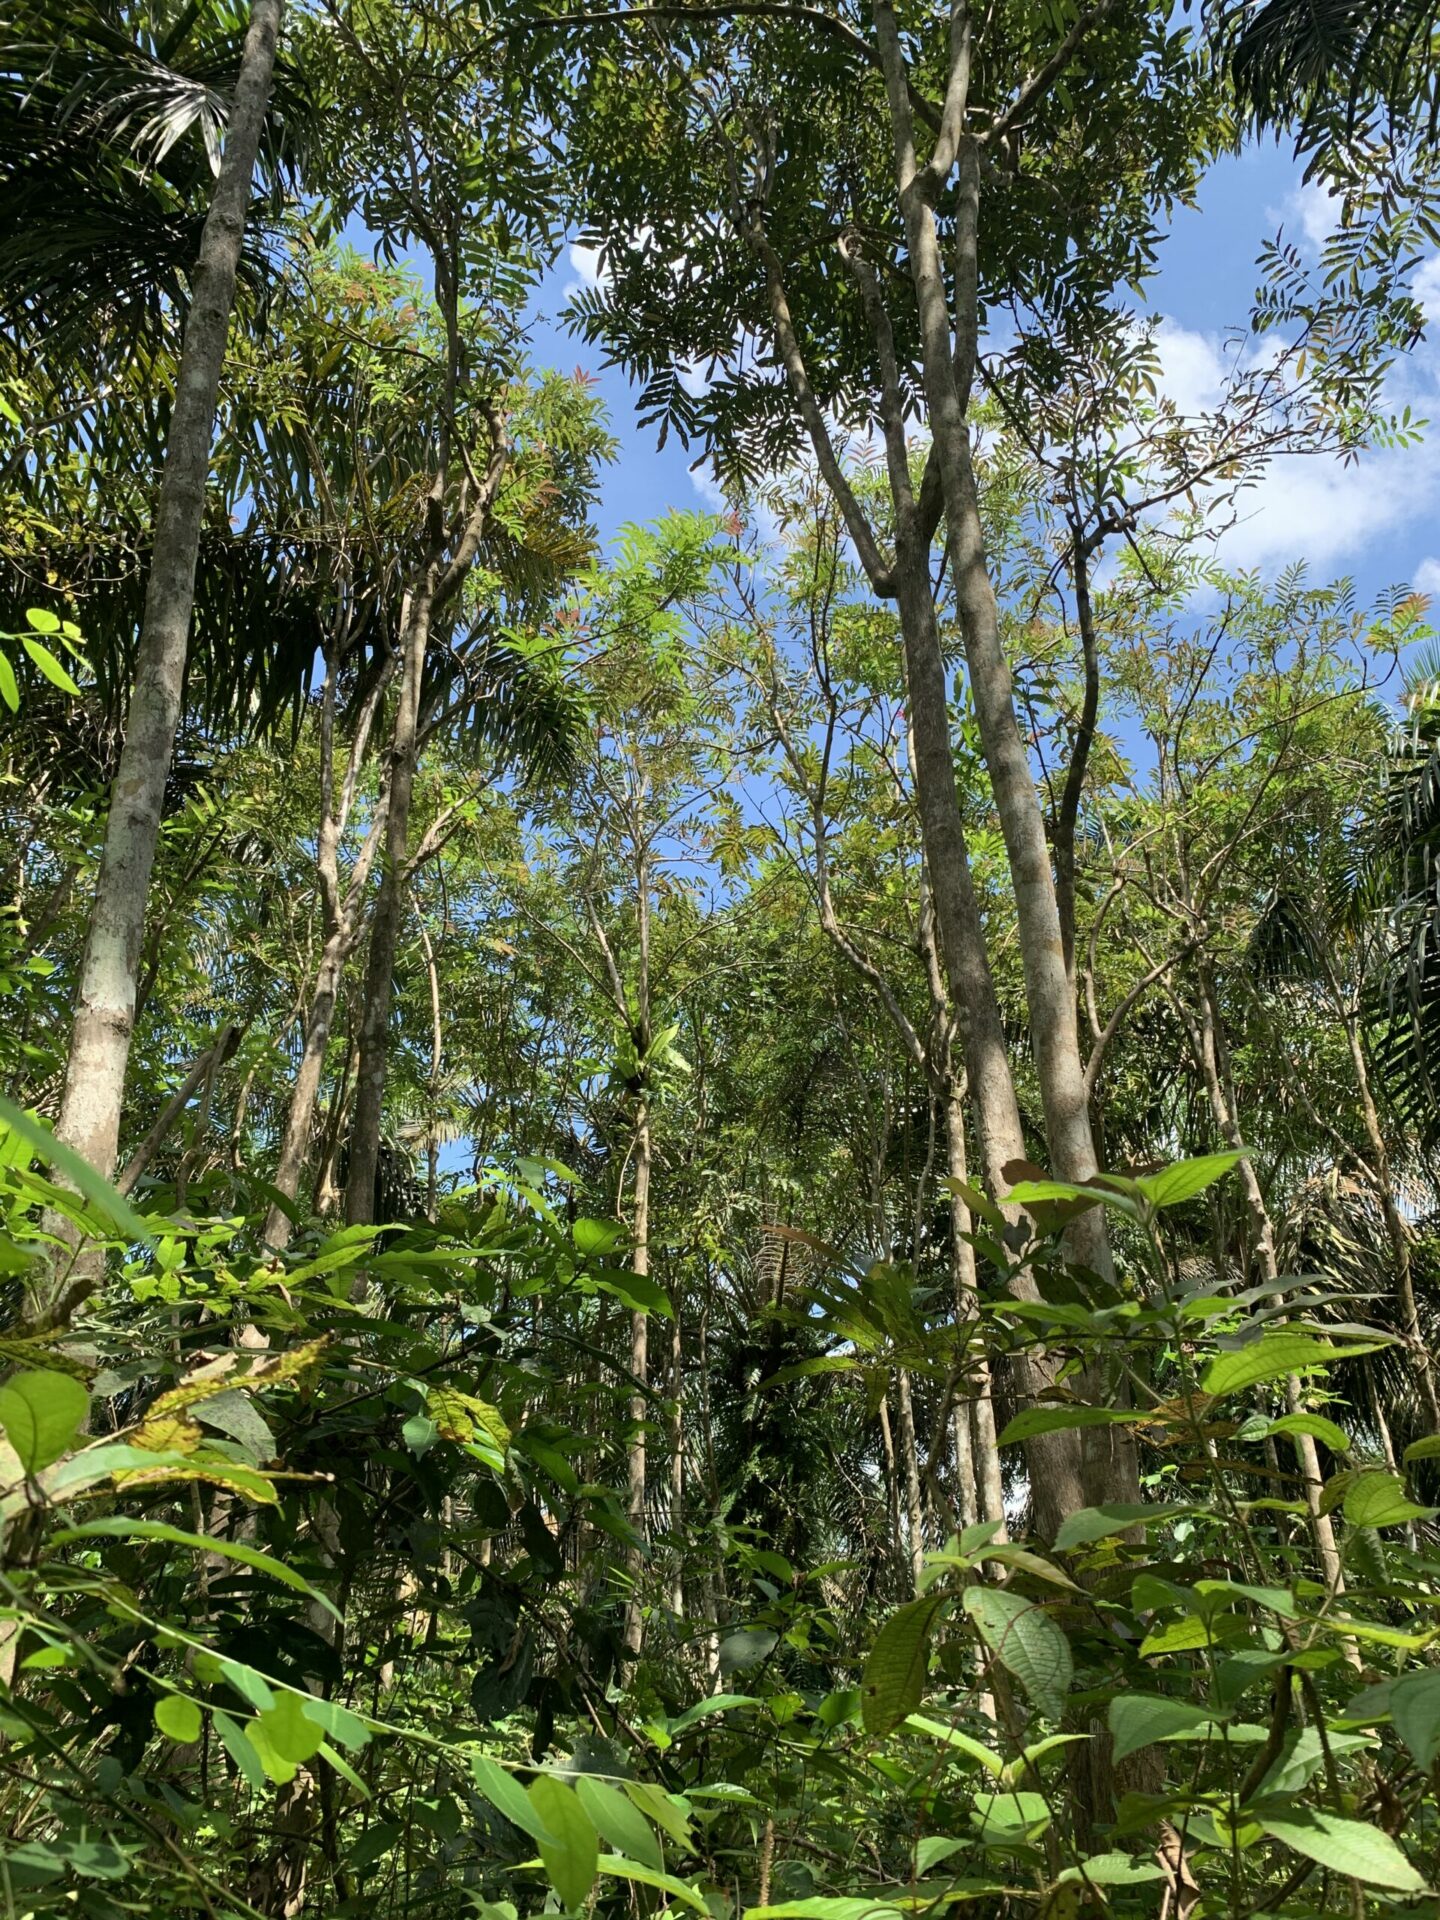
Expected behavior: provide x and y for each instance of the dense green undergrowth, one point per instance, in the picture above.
(314, 1582)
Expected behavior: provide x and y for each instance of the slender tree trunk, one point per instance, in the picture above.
(305, 1094)
(90, 1106)
(634, 1633)
(892, 1478)
(909, 1459)
(677, 1465)
(986, 1493)
(389, 913)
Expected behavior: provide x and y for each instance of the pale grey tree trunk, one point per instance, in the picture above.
(389, 913)
(910, 1462)
(100, 1041)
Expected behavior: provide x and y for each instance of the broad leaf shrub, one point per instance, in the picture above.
(226, 1594)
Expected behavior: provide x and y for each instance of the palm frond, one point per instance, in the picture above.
(1297, 60)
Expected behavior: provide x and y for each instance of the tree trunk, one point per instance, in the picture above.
(677, 1465)
(977, 1441)
(90, 1107)
(374, 1034)
(305, 1094)
(914, 1513)
(634, 1635)
(1055, 1460)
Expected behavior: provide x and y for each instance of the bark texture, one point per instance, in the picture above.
(91, 1103)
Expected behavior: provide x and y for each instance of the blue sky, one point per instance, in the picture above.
(1377, 521)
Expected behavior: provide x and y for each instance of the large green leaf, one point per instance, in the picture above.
(619, 1821)
(178, 1718)
(1350, 1848)
(1058, 1419)
(1139, 1719)
(572, 1858)
(960, 1742)
(1273, 1357)
(508, 1797)
(1174, 1185)
(1115, 1870)
(1026, 1640)
(106, 1199)
(1415, 1711)
(894, 1677)
(41, 1414)
(1379, 1499)
(119, 1526)
(1117, 1516)
(285, 1737)
(646, 1876)
(1315, 1424)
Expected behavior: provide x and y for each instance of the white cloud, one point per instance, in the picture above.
(1313, 208)
(1193, 371)
(1427, 578)
(1314, 507)
(585, 265)
(1426, 288)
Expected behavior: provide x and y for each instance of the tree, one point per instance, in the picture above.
(100, 1041)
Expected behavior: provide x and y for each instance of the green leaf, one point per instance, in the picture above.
(42, 620)
(1178, 1636)
(619, 1821)
(595, 1238)
(240, 1750)
(75, 1171)
(745, 1648)
(663, 1808)
(961, 1742)
(1058, 1419)
(894, 1677)
(339, 1722)
(49, 666)
(508, 1797)
(1139, 1719)
(1271, 1358)
(1350, 1848)
(934, 1849)
(647, 1876)
(178, 1718)
(637, 1291)
(284, 1737)
(343, 1767)
(41, 1413)
(1379, 1499)
(1007, 1819)
(572, 1858)
(1114, 1870)
(1174, 1185)
(1118, 1516)
(9, 685)
(701, 1709)
(1315, 1424)
(824, 1907)
(1426, 1449)
(118, 1526)
(1415, 1711)
(1024, 1637)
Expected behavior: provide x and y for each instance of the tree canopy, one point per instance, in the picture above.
(740, 1219)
